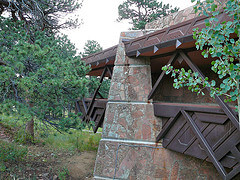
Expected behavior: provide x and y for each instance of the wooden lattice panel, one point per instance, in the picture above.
(96, 114)
(202, 132)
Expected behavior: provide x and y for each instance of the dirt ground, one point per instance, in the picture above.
(81, 167)
(43, 163)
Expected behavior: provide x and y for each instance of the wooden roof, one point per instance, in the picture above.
(167, 40)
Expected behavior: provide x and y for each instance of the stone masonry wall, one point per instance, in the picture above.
(127, 149)
(172, 19)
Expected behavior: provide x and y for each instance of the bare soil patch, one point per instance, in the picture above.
(81, 167)
(46, 164)
(43, 163)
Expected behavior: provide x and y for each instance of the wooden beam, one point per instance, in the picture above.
(77, 106)
(205, 145)
(229, 112)
(171, 61)
(234, 172)
(96, 91)
(171, 109)
(109, 72)
(85, 116)
(99, 123)
(167, 127)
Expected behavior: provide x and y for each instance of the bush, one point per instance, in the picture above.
(10, 152)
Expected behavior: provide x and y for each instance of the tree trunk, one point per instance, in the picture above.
(30, 131)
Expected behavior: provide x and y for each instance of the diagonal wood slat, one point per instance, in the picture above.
(229, 112)
(109, 72)
(170, 62)
(94, 109)
(205, 144)
(167, 127)
(233, 173)
(213, 140)
(96, 91)
(99, 123)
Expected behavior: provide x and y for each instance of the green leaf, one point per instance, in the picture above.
(213, 7)
(219, 54)
(213, 83)
(207, 24)
(234, 98)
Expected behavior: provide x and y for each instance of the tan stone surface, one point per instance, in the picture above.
(131, 121)
(149, 163)
(172, 19)
(130, 83)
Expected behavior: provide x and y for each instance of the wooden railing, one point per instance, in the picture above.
(93, 109)
(96, 112)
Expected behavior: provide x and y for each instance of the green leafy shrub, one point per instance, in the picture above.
(10, 152)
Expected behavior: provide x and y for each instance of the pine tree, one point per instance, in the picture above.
(42, 14)
(38, 79)
(140, 12)
(91, 47)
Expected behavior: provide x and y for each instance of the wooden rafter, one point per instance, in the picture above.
(219, 100)
(204, 144)
(91, 109)
(226, 144)
(170, 62)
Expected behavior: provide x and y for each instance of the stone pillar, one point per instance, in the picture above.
(127, 149)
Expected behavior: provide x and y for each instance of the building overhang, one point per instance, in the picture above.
(161, 42)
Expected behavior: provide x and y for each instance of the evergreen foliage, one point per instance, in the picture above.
(40, 78)
(91, 47)
(140, 12)
(43, 14)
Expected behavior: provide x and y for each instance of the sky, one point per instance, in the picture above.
(99, 22)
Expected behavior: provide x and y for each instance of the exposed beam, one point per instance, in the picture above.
(167, 127)
(192, 49)
(109, 72)
(229, 112)
(234, 172)
(205, 145)
(171, 61)
(99, 123)
(99, 68)
(160, 45)
(96, 91)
